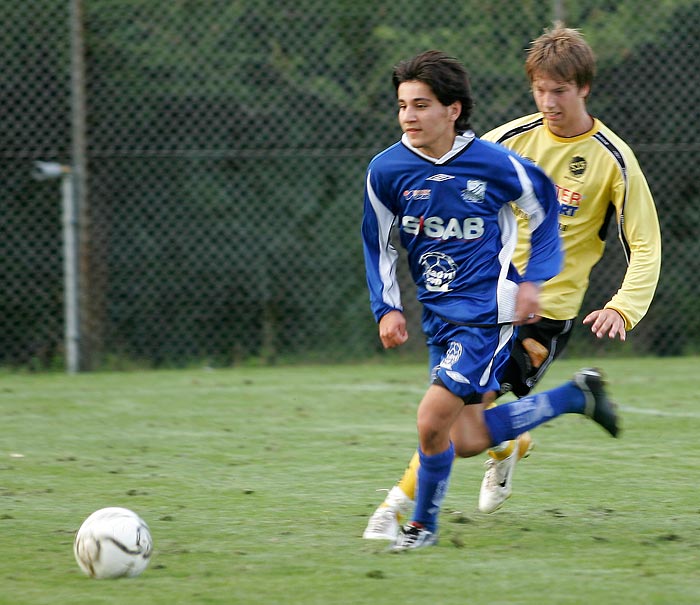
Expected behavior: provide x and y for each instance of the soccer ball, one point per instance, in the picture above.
(112, 543)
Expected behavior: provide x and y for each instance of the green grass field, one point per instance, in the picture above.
(257, 484)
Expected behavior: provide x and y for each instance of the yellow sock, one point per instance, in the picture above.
(503, 450)
(408, 482)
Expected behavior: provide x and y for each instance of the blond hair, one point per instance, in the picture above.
(562, 54)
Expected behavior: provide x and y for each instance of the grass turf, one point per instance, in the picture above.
(258, 482)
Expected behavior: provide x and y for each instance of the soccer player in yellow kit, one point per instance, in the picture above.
(597, 177)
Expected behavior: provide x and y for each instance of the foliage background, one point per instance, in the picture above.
(226, 143)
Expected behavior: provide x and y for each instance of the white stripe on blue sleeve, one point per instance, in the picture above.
(388, 256)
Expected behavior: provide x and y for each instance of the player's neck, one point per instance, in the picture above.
(576, 127)
(441, 147)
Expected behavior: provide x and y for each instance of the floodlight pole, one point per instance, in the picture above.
(70, 274)
(51, 171)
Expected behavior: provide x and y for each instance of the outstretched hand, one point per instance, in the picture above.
(606, 322)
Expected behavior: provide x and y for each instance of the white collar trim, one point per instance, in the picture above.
(460, 142)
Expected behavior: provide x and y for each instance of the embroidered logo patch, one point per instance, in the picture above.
(475, 191)
(578, 165)
(440, 177)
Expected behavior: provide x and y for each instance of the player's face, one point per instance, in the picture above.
(428, 124)
(563, 105)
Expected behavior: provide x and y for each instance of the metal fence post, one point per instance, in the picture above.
(558, 13)
(78, 181)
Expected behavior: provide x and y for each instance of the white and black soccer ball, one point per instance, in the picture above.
(113, 542)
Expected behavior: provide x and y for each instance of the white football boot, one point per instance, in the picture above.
(384, 524)
(497, 485)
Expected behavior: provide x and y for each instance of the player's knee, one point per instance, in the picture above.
(428, 431)
(469, 450)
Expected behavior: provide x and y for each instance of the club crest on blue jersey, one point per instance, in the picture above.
(439, 271)
(475, 191)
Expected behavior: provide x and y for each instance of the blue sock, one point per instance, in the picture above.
(508, 420)
(433, 479)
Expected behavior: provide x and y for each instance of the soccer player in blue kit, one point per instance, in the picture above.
(450, 194)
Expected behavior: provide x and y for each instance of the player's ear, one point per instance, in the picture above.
(455, 110)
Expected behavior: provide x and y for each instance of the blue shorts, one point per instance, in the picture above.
(467, 360)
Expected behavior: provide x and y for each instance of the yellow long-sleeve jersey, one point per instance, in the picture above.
(596, 174)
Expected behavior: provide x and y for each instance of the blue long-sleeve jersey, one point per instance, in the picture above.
(455, 220)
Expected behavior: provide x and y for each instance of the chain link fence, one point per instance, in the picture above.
(215, 152)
